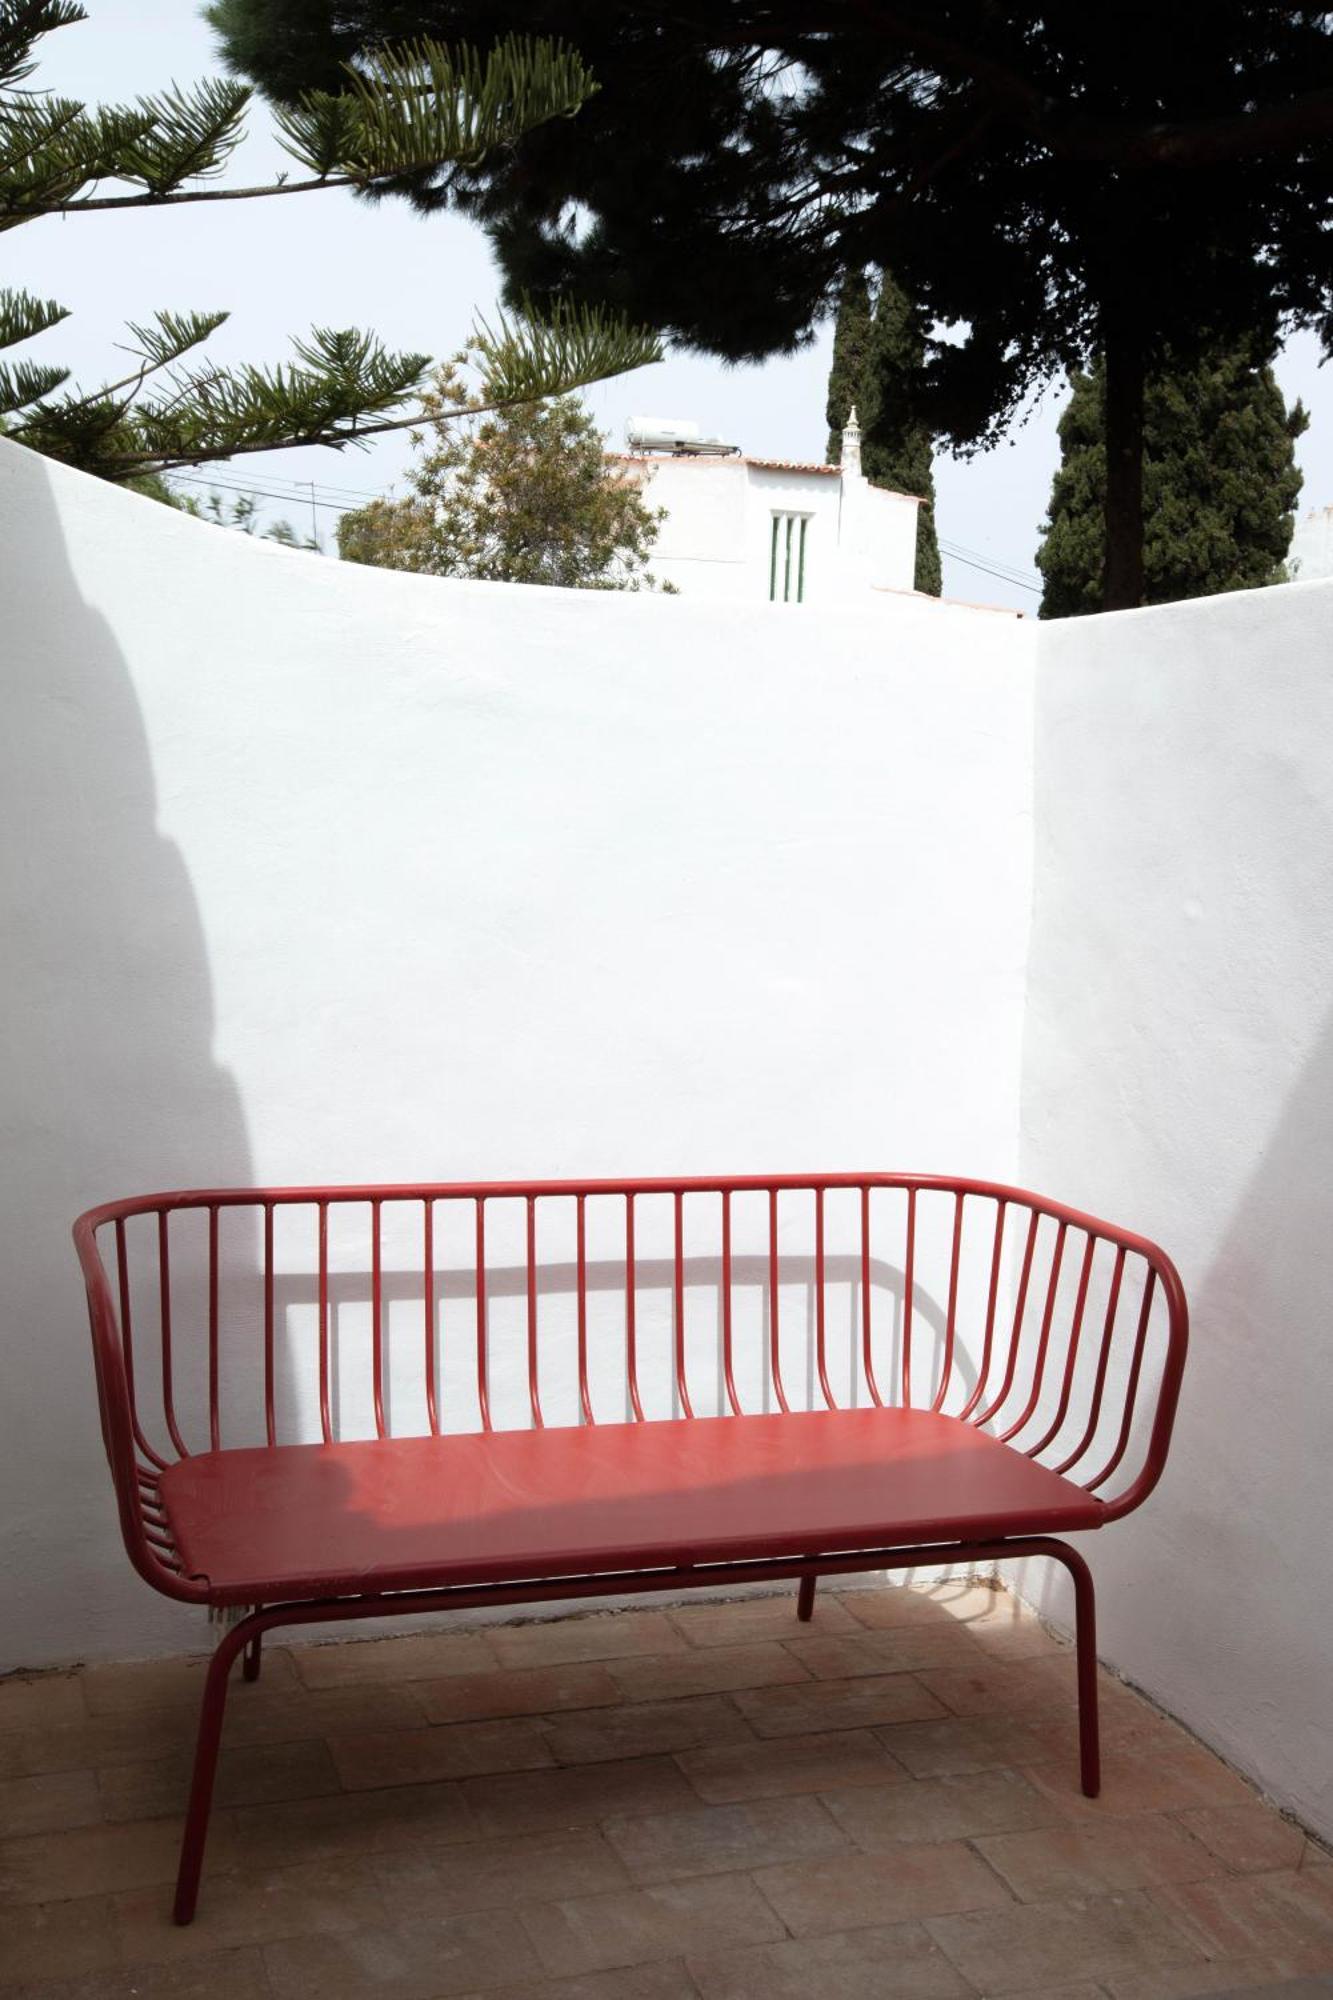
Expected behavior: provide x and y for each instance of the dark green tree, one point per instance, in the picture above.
(877, 360)
(1220, 484)
(1047, 183)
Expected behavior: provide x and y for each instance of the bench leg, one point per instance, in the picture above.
(1085, 1640)
(805, 1599)
(239, 1639)
(252, 1662)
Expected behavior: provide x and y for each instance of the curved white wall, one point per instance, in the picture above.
(314, 872)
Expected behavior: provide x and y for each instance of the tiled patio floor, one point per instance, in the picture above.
(651, 1805)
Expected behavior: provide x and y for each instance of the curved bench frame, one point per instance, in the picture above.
(1120, 1351)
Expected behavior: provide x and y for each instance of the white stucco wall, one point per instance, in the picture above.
(313, 872)
(1179, 1076)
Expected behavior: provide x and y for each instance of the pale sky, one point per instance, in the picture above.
(329, 259)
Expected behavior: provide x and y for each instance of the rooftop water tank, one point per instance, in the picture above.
(677, 435)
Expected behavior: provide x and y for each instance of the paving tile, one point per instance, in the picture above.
(249, 1906)
(39, 1701)
(902, 1649)
(1229, 1979)
(981, 1743)
(517, 1691)
(178, 1683)
(855, 1704)
(424, 1961)
(496, 1874)
(925, 1604)
(608, 1635)
(667, 1980)
(94, 1741)
(250, 1776)
(302, 1830)
(419, 1656)
(578, 1795)
(878, 1817)
(238, 1974)
(851, 1890)
(1017, 1949)
(56, 1940)
(706, 1670)
(888, 1962)
(1005, 1687)
(645, 1729)
(47, 1803)
(337, 1711)
(751, 1618)
(708, 1840)
(782, 1766)
(1142, 1779)
(1096, 1857)
(449, 1750)
(628, 1926)
(1255, 1916)
(1252, 1839)
(94, 1860)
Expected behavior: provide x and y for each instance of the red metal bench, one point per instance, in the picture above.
(388, 1399)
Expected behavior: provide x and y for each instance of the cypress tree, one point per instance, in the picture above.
(877, 360)
(1220, 484)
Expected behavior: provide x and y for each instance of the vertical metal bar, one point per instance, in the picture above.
(270, 1420)
(1071, 1355)
(631, 1343)
(1131, 1387)
(377, 1316)
(1103, 1358)
(786, 573)
(773, 562)
(585, 1399)
(951, 1314)
(988, 1337)
(428, 1298)
(534, 1397)
(1044, 1338)
(324, 1424)
(774, 1354)
(821, 1349)
(1016, 1330)
(164, 1295)
(127, 1342)
(483, 1369)
(800, 566)
(909, 1287)
(727, 1354)
(214, 1415)
(867, 1358)
(682, 1388)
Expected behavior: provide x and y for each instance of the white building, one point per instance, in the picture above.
(764, 529)
(1311, 552)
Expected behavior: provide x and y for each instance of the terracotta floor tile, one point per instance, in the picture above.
(249, 1776)
(854, 1704)
(889, 1962)
(96, 1741)
(40, 1701)
(446, 1750)
(443, 1955)
(418, 1656)
(983, 1742)
(248, 1906)
(667, 1980)
(1253, 1839)
(303, 1830)
(901, 1649)
(496, 1874)
(1097, 1857)
(784, 1766)
(1254, 1916)
(926, 1604)
(178, 1683)
(1000, 1635)
(237, 1974)
(1017, 1949)
(1005, 1687)
(56, 1940)
(706, 1670)
(607, 1635)
(45, 1804)
(645, 1729)
(753, 1618)
(95, 1860)
(708, 1840)
(1219, 1976)
(628, 1926)
(338, 1711)
(579, 1795)
(850, 1890)
(938, 1809)
(1142, 1779)
(517, 1691)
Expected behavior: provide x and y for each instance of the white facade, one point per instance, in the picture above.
(312, 871)
(1311, 552)
(762, 530)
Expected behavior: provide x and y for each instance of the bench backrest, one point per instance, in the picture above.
(248, 1317)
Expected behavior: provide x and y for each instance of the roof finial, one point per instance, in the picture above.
(850, 458)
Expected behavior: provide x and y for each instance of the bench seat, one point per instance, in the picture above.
(314, 1521)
